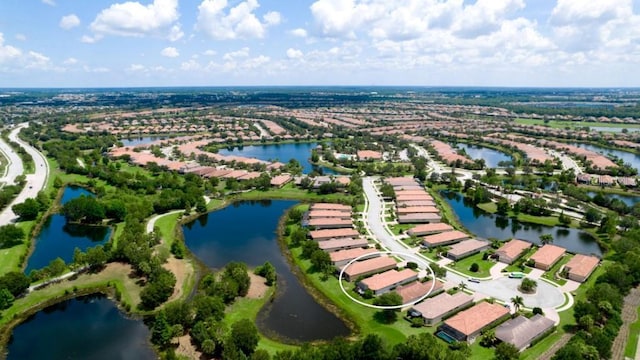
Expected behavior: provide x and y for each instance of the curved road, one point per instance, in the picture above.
(35, 181)
(14, 167)
(502, 288)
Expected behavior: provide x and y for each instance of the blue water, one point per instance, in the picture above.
(627, 157)
(246, 231)
(59, 238)
(612, 129)
(72, 192)
(491, 157)
(486, 225)
(140, 140)
(629, 200)
(280, 152)
(89, 327)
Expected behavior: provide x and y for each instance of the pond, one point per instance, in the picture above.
(629, 200)
(627, 157)
(491, 157)
(57, 238)
(486, 225)
(89, 327)
(280, 152)
(613, 129)
(140, 140)
(246, 232)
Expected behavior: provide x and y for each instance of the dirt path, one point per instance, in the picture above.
(258, 288)
(185, 348)
(182, 270)
(547, 355)
(629, 316)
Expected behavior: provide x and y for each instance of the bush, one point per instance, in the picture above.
(412, 265)
(474, 267)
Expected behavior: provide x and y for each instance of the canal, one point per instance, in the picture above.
(627, 157)
(246, 232)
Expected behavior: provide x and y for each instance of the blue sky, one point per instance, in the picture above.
(106, 43)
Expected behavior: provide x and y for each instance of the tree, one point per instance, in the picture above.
(474, 267)
(56, 267)
(267, 271)
(528, 286)
(208, 307)
(10, 235)
(503, 207)
(391, 298)
(6, 298)
(321, 261)
(244, 336)
(158, 289)
(28, 210)
(15, 282)
(506, 351)
(84, 209)
(517, 302)
(592, 215)
(546, 239)
(237, 272)
(161, 330)
(537, 311)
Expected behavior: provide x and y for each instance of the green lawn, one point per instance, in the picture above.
(400, 228)
(290, 191)
(245, 308)
(167, 225)
(632, 342)
(361, 315)
(464, 265)
(489, 207)
(550, 275)
(10, 258)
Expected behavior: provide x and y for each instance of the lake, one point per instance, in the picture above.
(613, 129)
(491, 157)
(280, 152)
(89, 327)
(246, 232)
(627, 157)
(486, 225)
(140, 140)
(57, 238)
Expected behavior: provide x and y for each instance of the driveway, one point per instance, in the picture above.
(504, 288)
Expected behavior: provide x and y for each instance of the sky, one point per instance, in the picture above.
(512, 43)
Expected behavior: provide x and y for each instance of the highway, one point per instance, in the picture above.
(35, 181)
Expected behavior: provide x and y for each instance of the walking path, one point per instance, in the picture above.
(152, 222)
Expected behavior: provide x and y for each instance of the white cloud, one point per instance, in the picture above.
(36, 60)
(136, 68)
(90, 39)
(70, 61)
(242, 53)
(190, 65)
(272, 18)
(98, 70)
(210, 52)
(239, 22)
(134, 19)
(8, 52)
(294, 53)
(299, 32)
(170, 52)
(69, 21)
(49, 2)
(21, 37)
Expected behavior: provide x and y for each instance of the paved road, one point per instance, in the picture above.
(14, 168)
(35, 182)
(567, 161)
(375, 217)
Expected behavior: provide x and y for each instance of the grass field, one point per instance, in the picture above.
(550, 275)
(484, 266)
(632, 342)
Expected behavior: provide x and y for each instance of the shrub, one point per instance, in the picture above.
(474, 267)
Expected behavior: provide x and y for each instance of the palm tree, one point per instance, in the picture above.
(546, 239)
(517, 302)
(462, 285)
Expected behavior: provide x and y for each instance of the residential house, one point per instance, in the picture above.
(580, 267)
(467, 248)
(387, 281)
(433, 310)
(468, 324)
(512, 250)
(547, 256)
(369, 267)
(521, 332)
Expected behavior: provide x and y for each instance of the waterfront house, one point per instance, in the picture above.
(467, 248)
(512, 250)
(444, 238)
(580, 267)
(547, 256)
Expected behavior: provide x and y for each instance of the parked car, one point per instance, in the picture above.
(474, 280)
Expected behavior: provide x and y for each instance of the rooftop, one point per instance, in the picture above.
(388, 278)
(366, 266)
(466, 246)
(415, 290)
(582, 265)
(548, 254)
(476, 318)
(513, 248)
(438, 306)
(333, 233)
(521, 331)
(444, 237)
